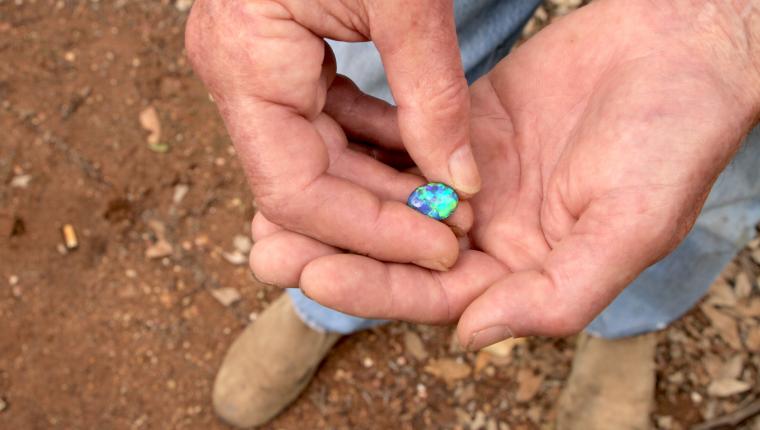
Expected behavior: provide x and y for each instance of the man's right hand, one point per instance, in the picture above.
(269, 70)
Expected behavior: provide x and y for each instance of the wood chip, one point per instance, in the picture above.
(149, 121)
(732, 368)
(414, 346)
(727, 387)
(70, 237)
(726, 326)
(448, 369)
(528, 384)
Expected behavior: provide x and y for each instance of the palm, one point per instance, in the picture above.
(596, 155)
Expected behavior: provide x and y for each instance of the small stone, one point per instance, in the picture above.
(235, 257)
(180, 191)
(368, 362)
(226, 296)
(159, 249)
(448, 369)
(21, 181)
(242, 243)
(183, 5)
(435, 200)
(413, 344)
(12, 280)
(3, 404)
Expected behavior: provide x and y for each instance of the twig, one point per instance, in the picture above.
(733, 419)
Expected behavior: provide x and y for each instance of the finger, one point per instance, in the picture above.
(279, 259)
(261, 227)
(382, 180)
(390, 184)
(363, 117)
(368, 288)
(579, 278)
(422, 60)
(399, 160)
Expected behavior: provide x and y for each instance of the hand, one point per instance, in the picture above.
(598, 142)
(268, 69)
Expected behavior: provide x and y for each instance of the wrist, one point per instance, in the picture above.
(727, 32)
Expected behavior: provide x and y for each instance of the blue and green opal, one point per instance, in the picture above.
(436, 200)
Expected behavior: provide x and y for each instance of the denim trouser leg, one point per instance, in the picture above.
(486, 30)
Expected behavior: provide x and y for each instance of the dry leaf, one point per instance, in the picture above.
(742, 286)
(750, 309)
(732, 368)
(753, 339)
(448, 369)
(414, 346)
(149, 121)
(528, 384)
(727, 387)
(721, 294)
(725, 325)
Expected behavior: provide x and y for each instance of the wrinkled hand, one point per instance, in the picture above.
(268, 69)
(598, 142)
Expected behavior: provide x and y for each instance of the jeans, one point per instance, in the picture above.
(665, 291)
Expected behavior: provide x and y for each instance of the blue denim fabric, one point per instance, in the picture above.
(665, 291)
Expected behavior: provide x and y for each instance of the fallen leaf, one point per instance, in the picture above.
(413, 344)
(448, 369)
(726, 326)
(753, 339)
(749, 309)
(226, 296)
(721, 294)
(159, 147)
(732, 368)
(727, 387)
(742, 286)
(149, 121)
(528, 384)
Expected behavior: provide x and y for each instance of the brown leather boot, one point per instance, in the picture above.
(268, 366)
(611, 385)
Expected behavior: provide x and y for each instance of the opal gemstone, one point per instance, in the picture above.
(436, 200)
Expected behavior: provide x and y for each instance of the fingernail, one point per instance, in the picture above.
(488, 336)
(432, 264)
(464, 171)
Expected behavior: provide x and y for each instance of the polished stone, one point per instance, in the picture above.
(436, 200)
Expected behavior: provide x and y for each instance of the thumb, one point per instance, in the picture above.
(578, 278)
(418, 45)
